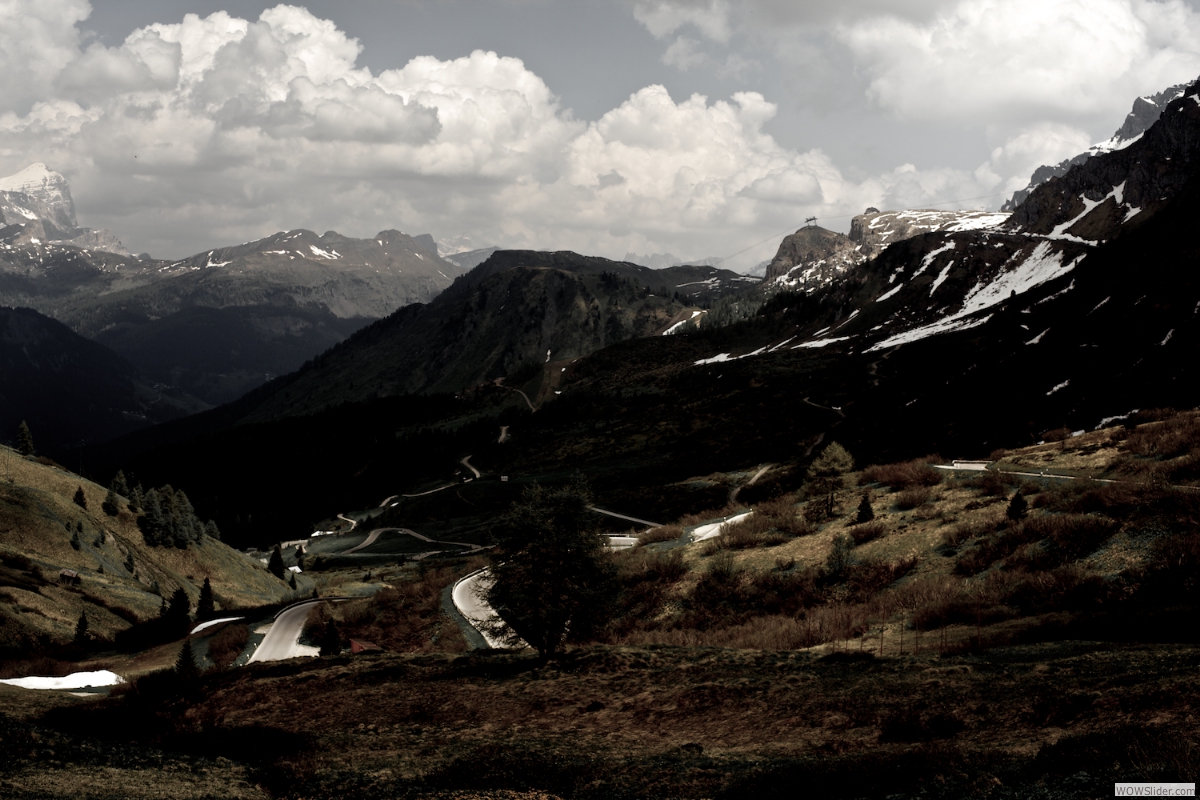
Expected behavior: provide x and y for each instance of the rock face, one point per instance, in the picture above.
(36, 208)
(875, 230)
(814, 257)
(1145, 112)
(943, 274)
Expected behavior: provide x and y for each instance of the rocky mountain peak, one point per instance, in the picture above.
(1145, 112)
(38, 192)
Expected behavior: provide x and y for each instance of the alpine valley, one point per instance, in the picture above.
(773, 459)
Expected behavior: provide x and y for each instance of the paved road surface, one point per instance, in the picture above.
(467, 463)
(622, 516)
(283, 638)
(353, 522)
(503, 434)
(474, 608)
(374, 535)
(714, 529)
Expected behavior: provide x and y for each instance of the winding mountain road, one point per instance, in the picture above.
(624, 517)
(468, 599)
(283, 637)
(466, 462)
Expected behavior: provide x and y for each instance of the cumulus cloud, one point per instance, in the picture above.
(217, 129)
(663, 17)
(1031, 59)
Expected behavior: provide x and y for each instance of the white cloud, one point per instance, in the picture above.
(663, 17)
(1031, 59)
(218, 130)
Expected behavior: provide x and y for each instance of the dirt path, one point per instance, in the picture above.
(734, 494)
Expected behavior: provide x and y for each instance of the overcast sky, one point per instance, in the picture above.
(698, 127)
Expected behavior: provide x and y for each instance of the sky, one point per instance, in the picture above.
(696, 127)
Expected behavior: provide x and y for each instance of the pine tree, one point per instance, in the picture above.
(75, 540)
(129, 565)
(865, 512)
(24, 440)
(177, 612)
(81, 630)
(839, 556)
(153, 522)
(185, 666)
(205, 606)
(119, 484)
(80, 498)
(275, 565)
(1017, 507)
(827, 473)
(292, 580)
(331, 640)
(137, 499)
(212, 531)
(111, 504)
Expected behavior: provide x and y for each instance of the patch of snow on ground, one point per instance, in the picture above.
(781, 344)
(212, 622)
(1060, 231)
(1038, 338)
(1059, 293)
(323, 253)
(717, 359)
(211, 263)
(941, 277)
(1118, 193)
(929, 257)
(1062, 385)
(1042, 265)
(671, 330)
(954, 323)
(1133, 212)
(1098, 305)
(977, 221)
(1167, 338)
(820, 342)
(889, 293)
(1104, 422)
(713, 529)
(76, 680)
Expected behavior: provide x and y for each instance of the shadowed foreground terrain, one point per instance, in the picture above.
(1049, 720)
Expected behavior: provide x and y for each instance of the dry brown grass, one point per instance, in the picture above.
(227, 644)
(909, 499)
(904, 474)
(405, 618)
(663, 533)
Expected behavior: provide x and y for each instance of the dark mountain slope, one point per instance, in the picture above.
(222, 322)
(513, 314)
(70, 389)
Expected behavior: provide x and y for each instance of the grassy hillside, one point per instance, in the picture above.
(39, 519)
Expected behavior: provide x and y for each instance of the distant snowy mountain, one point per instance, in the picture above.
(1145, 112)
(36, 208)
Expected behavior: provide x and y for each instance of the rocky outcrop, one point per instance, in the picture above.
(874, 230)
(812, 257)
(36, 208)
(1145, 112)
(1093, 200)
